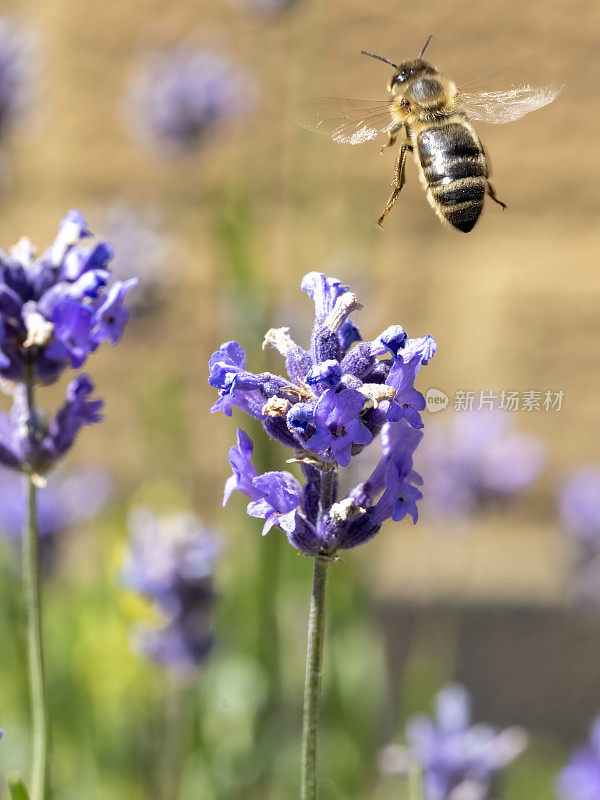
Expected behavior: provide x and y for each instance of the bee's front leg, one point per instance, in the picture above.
(398, 182)
(392, 136)
(492, 193)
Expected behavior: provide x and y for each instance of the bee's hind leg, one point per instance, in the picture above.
(398, 182)
(492, 193)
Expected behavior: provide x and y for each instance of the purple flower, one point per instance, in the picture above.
(266, 7)
(580, 507)
(459, 760)
(478, 460)
(171, 563)
(337, 398)
(111, 316)
(180, 96)
(35, 444)
(579, 502)
(55, 310)
(580, 779)
(338, 427)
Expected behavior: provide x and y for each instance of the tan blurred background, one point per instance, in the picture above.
(513, 305)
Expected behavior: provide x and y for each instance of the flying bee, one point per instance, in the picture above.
(433, 118)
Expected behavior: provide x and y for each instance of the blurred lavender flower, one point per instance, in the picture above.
(460, 761)
(141, 250)
(54, 311)
(338, 397)
(480, 459)
(67, 499)
(171, 563)
(266, 7)
(580, 779)
(580, 507)
(18, 67)
(579, 503)
(180, 96)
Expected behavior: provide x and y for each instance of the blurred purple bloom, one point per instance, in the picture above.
(18, 67)
(266, 7)
(579, 502)
(580, 779)
(337, 398)
(67, 500)
(580, 506)
(460, 761)
(171, 563)
(477, 460)
(57, 309)
(180, 96)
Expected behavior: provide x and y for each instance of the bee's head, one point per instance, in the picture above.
(406, 71)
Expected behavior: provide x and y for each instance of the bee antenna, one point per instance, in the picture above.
(429, 38)
(379, 58)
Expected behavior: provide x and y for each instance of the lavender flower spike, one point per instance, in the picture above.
(171, 563)
(459, 760)
(35, 445)
(579, 502)
(180, 96)
(57, 309)
(339, 396)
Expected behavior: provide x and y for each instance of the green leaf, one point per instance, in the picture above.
(18, 790)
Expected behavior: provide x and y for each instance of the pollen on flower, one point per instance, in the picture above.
(39, 330)
(376, 393)
(346, 509)
(275, 407)
(279, 338)
(302, 391)
(310, 459)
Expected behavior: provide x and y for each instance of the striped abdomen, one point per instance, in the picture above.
(454, 169)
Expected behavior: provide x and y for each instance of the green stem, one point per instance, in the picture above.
(31, 581)
(175, 736)
(312, 686)
(314, 659)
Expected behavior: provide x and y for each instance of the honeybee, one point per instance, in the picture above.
(433, 118)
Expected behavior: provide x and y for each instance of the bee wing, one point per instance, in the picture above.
(508, 105)
(351, 121)
(507, 94)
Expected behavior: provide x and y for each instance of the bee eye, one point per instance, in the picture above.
(400, 77)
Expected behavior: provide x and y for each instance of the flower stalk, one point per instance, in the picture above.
(314, 657)
(312, 686)
(35, 656)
